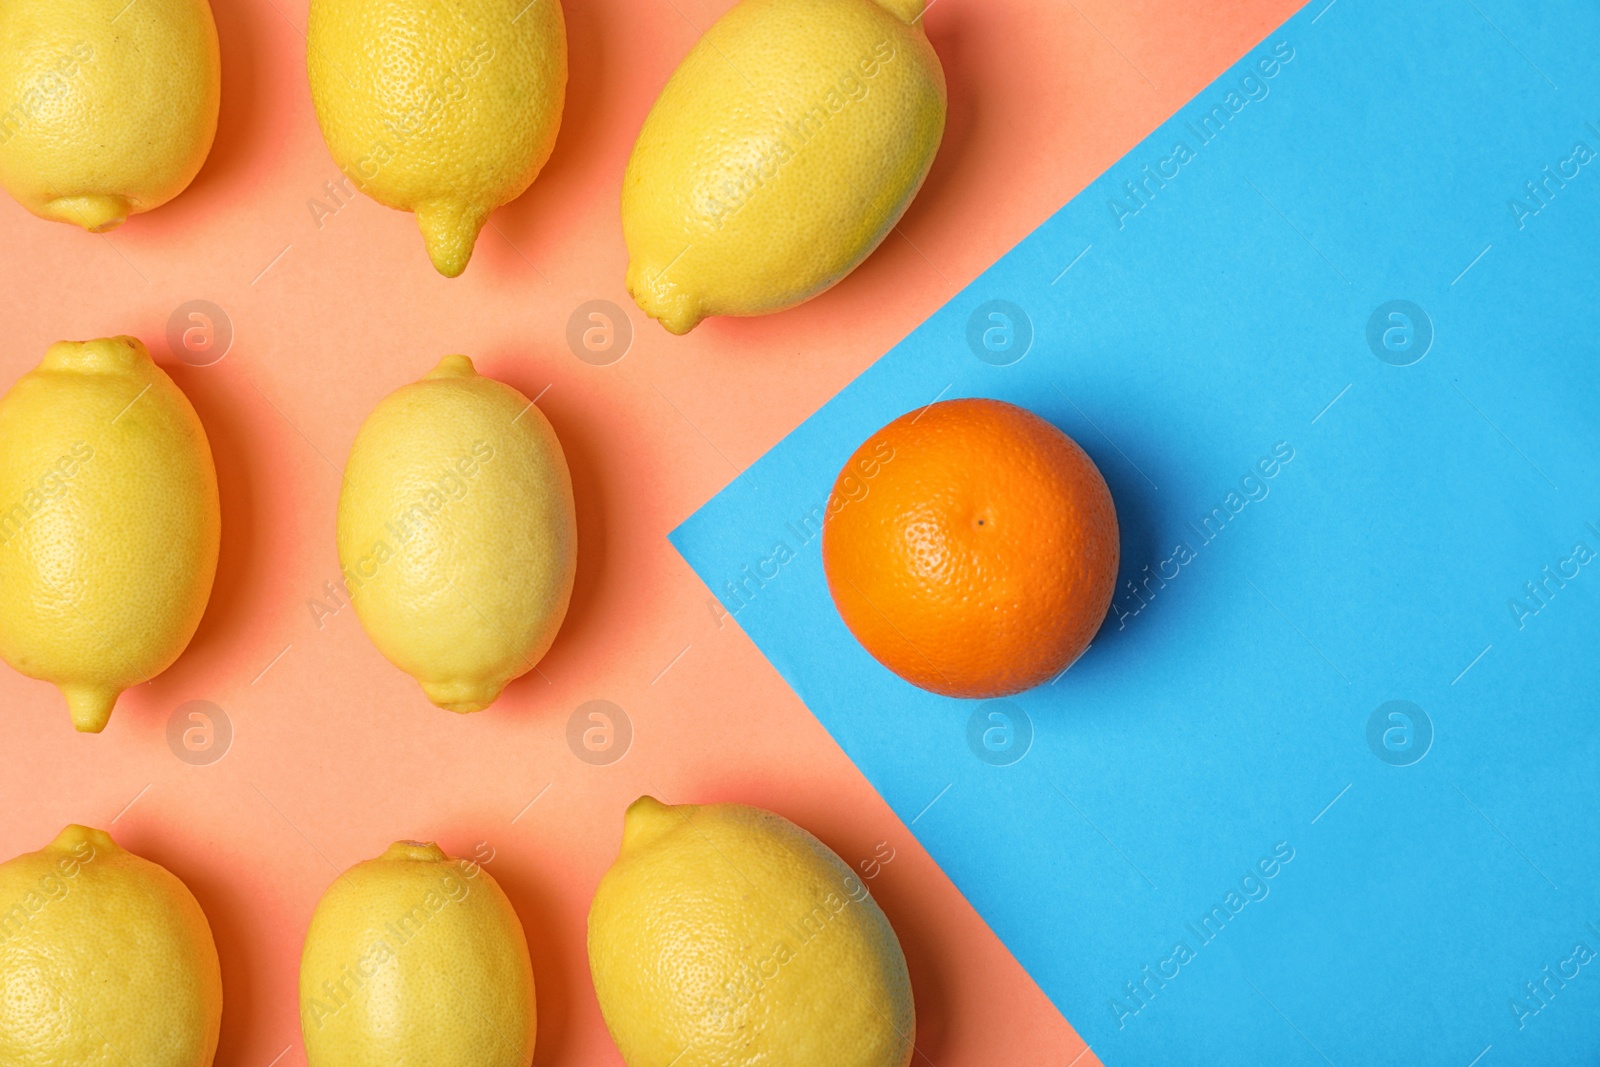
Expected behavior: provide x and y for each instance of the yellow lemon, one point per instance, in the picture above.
(105, 960)
(109, 523)
(726, 936)
(782, 151)
(446, 108)
(107, 107)
(415, 958)
(457, 535)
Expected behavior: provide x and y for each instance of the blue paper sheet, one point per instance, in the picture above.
(1324, 788)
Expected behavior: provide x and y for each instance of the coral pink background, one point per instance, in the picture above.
(336, 753)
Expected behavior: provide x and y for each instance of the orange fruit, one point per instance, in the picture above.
(971, 547)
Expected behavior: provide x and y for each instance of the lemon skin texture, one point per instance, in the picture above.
(105, 960)
(112, 106)
(726, 936)
(415, 958)
(779, 155)
(445, 108)
(457, 534)
(109, 523)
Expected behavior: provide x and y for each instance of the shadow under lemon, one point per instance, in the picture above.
(582, 453)
(234, 923)
(238, 593)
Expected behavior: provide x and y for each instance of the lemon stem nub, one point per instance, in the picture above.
(456, 366)
(463, 698)
(95, 213)
(450, 230)
(647, 819)
(90, 706)
(416, 851)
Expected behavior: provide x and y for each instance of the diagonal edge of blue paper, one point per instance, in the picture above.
(1324, 788)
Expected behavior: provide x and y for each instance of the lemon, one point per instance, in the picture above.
(109, 107)
(457, 535)
(105, 960)
(446, 108)
(415, 958)
(782, 151)
(726, 936)
(109, 523)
